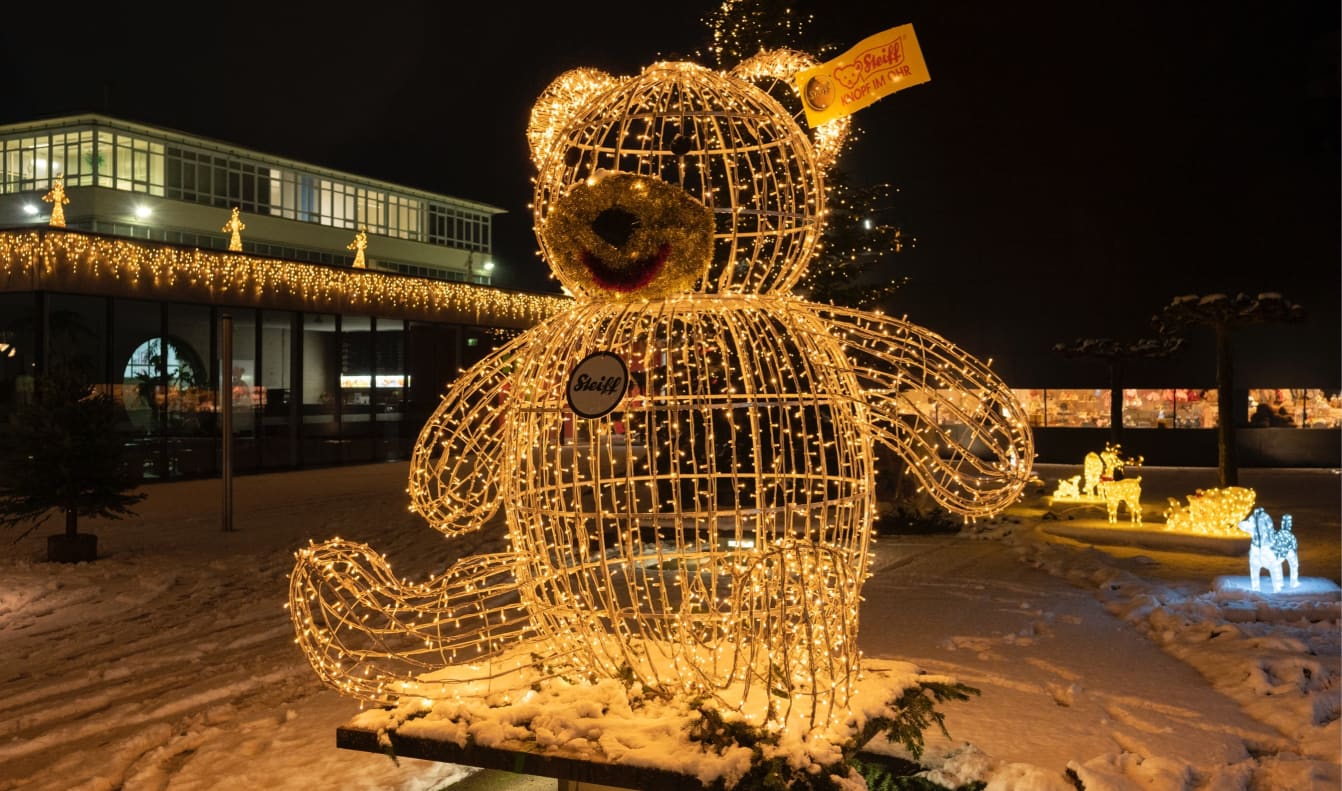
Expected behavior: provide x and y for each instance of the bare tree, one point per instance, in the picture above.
(1116, 355)
(1223, 315)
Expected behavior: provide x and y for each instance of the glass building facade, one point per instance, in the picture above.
(307, 388)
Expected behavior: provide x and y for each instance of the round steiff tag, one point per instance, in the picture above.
(597, 384)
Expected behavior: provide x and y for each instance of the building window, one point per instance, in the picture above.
(1145, 408)
(1294, 408)
(372, 210)
(137, 163)
(456, 227)
(1194, 408)
(1076, 408)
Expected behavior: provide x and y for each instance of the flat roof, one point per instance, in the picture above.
(196, 141)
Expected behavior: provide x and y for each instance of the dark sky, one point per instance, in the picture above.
(1069, 169)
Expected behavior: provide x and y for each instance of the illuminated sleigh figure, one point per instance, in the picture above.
(724, 555)
(1212, 512)
(1270, 548)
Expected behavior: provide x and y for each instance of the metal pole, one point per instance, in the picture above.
(226, 410)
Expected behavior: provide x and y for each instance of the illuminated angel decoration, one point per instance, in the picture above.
(359, 246)
(59, 200)
(235, 227)
(684, 459)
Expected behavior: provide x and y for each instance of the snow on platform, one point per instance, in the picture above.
(1309, 586)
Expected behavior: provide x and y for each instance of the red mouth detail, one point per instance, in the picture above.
(630, 278)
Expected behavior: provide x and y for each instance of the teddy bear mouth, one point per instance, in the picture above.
(615, 226)
(625, 234)
(628, 275)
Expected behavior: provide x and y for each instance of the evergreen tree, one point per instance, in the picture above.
(1223, 316)
(62, 453)
(739, 29)
(852, 266)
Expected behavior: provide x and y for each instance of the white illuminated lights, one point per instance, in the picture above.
(1270, 547)
(708, 538)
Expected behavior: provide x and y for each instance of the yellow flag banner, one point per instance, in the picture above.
(878, 66)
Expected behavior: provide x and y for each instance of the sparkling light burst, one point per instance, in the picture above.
(710, 536)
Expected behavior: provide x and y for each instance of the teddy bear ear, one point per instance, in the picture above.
(559, 102)
(772, 71)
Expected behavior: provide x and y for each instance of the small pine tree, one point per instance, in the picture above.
(62, 453)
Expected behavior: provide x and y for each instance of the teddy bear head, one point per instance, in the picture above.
(681, 179)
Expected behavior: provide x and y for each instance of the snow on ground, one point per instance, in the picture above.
(170, 662)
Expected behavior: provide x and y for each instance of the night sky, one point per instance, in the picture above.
(1070, 168)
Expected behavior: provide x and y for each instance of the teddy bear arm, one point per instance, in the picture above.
(955, 424)
(453, 471)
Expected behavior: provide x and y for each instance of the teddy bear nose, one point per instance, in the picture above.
(614, 226)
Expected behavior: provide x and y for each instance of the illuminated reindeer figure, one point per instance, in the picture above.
(1127, 492)
(1270, 548)
(1104, 466)
(1093, 467)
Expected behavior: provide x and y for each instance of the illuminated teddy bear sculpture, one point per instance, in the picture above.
(684, 458)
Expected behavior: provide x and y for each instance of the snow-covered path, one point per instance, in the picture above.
(170, 663)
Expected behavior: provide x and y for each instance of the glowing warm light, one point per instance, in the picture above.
(67, 260)
(709, 537)
(359, 245)
(234, 227)
(771, 68)
(1127, 493)
(1068, 489)
(143, 211)
(58, 200)
(1270, 548)
(1097, 468)
(1212, 512)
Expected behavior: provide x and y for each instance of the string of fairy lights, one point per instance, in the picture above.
(152, 270)
(709, 536)
(1211, 512)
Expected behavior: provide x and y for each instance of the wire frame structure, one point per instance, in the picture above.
(707, 535)
(772, 71)
(719, 139)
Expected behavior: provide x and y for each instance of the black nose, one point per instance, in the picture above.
(614, 226)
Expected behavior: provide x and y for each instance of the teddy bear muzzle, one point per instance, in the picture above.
(625, 234)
